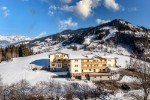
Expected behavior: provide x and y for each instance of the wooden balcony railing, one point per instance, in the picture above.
(102, 62)
(61, 61)
(94, 67)
(100, 74)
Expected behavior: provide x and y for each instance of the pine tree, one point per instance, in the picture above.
(10, 52)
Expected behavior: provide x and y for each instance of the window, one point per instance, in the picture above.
(59, 59)
(103, 60)
(91, 65)
(109, 65)
(65, 64)
(99, 70)
(109, 59)
(104, 64)
(89, 69)
(76, 70)
(53, 64)
(76, 65)
(59, 65)
(76, 60)
(94, 70)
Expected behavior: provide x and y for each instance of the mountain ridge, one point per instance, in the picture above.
(117, 36)
(8, 40)
(108, 37)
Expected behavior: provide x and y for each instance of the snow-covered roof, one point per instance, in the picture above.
(58, 53)
(83, 54)
(113, 68)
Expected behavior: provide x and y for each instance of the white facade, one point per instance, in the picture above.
(111, 62)
(75, 66)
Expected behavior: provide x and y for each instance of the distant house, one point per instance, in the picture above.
(86, 67)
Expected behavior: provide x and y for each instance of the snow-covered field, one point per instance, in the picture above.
(20, 68)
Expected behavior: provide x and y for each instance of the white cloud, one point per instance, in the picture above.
(111, 4)
(67, 8)
(52, 9)
(64, 24)
(101, 21)
(84, 7)
(132, 9)
(41, 35)
(5, 11)
(66, 1)
(46, 1)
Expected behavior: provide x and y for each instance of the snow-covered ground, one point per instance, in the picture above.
(120, 95)
(21, 68)
(129, 79)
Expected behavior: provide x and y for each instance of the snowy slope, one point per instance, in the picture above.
(117, 36)
(20, 68)
(112, 33)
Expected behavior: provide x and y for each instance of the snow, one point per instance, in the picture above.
(13, 39)
(120, 95)
(21, 68)
(112, 33)
(87, 41)
(80, 54)
(129, 79)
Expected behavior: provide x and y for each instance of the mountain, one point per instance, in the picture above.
(116, 36)
(7, 40)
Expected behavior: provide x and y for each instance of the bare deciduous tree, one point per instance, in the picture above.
(143, 69)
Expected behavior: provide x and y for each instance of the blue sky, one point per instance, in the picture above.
(36, 18)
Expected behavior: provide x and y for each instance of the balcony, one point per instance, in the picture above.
(94, 67)
(60, 57)
(102, 62)
(99, 74)
(61, 61)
